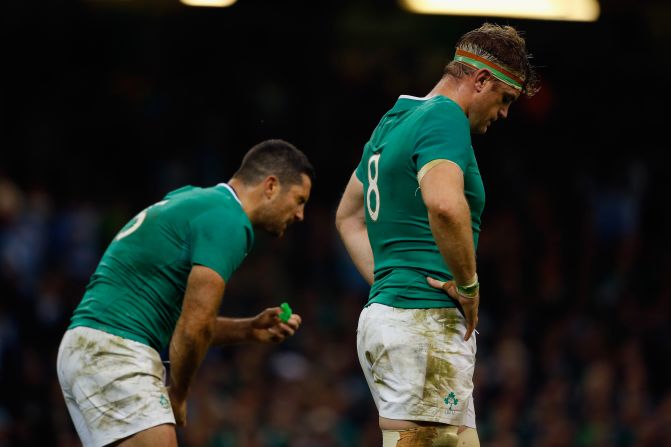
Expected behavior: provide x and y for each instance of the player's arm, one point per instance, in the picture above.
(450, 221)
(265, 327)
(193, 333)
(351, 225)
(450, 218)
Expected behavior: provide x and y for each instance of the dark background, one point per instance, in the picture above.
(105, 106)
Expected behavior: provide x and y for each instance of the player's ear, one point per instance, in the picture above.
(271, 187)
(480, 78)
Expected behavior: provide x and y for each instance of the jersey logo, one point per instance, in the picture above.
(164, 401)
(452, 401)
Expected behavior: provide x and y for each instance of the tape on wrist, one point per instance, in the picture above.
(470, 290)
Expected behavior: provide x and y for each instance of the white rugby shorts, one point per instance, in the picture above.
(417, 364)
(113, 387)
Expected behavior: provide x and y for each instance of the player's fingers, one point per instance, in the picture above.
(471, 326)
(469, 332)
(451, 290)
(267, 318)
(180, 415)
(275, 334)
(294, 322)
(286, 329)
(435, 283)
(466, 302)
(471, 321)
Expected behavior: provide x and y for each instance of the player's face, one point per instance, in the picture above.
(288, 206)
(491, 104)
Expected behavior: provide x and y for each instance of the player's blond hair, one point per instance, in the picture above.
(501, 45)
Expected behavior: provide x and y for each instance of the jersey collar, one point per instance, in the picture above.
(235, 196)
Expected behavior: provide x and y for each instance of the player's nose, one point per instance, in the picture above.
(300, 214)
(503, 112)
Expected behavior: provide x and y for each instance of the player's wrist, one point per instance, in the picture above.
(471, 289)
(248, 329)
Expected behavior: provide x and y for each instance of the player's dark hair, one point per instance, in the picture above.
(274, 157)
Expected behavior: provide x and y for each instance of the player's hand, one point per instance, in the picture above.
(268, 328)
(178, 404)
(469, 305)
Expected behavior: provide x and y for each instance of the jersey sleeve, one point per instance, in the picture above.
(361, 169)
(443, 133)
(220, 242)
(359, 172)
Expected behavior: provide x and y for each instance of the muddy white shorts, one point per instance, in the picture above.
(113, 386)
(417, 364)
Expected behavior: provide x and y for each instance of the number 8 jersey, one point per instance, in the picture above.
(138, 288)
(412, 135)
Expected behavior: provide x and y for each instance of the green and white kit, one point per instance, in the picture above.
(138, 288)
(415, 132)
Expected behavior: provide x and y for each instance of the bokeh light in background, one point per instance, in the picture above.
(578, 10)
(105, 106)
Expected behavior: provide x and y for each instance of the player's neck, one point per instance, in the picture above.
(249, 197)
(455, 90)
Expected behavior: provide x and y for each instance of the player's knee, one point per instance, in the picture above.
(446, 437)
(469, 438)
(421, 437)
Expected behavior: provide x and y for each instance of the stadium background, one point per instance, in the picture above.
(105, 106)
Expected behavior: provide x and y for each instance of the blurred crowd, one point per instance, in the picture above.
(573, 347)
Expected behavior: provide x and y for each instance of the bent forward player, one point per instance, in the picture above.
(159, 285)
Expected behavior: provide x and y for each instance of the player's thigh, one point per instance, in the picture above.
(113, 385)
(417, 365)
(411, 434)
(161, 435)
(468, 437)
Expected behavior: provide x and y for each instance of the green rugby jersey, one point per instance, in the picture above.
(413, 133)
(138, 288)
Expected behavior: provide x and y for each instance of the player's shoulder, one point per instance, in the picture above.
(218, 203)
(441, 105)
(182, 192)
(195, 194)
(439, 111)
(198, 200)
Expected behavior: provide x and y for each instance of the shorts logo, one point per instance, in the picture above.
(163, 401)
(452, 401)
